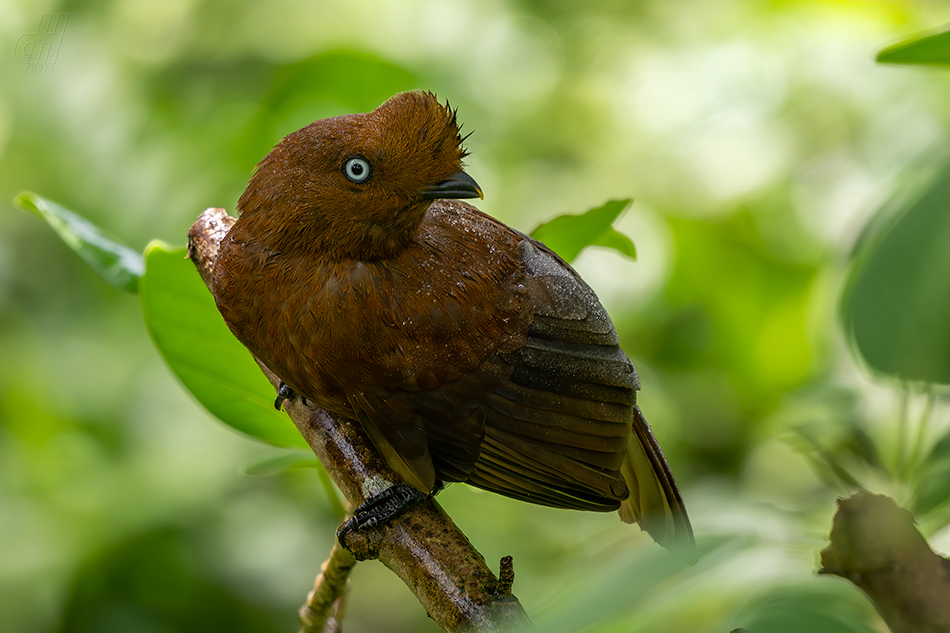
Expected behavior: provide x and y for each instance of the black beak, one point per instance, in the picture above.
(459, 185)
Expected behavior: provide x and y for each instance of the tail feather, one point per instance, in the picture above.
(654, 502)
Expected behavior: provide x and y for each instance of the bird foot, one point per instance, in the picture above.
(283, 393)
(286, 393)
(381, 508)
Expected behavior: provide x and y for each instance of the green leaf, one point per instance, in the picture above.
(612, 238)
(282, 463)
(329, 83)
(295, 460)
(354, 80)
(817, 607)
(933, 492)
(189, 332)
(928, 48)
(117, 264)
(896, 304)
(634, 590)
(568, 235)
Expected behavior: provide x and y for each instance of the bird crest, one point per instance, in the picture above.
(358, 183)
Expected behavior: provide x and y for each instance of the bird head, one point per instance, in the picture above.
(357, 186)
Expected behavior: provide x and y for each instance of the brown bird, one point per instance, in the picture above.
(468, 351)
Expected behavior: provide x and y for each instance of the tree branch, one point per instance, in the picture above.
(324, 608)
(423, 546)
(876, 546)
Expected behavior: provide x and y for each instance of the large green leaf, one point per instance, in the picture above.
(117, 264)
(896, 305)
(568, 235)
(929, 48)
(933, 491)
(329, 83)
(190, 333)
(819, 606)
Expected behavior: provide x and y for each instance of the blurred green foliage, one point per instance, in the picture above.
(757, 140)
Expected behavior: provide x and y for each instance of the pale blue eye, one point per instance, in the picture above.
(357, 169)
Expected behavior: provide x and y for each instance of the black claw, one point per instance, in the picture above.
(283, 393)
(343, 531)
(381, 508)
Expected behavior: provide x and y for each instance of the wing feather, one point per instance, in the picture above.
(565, 429)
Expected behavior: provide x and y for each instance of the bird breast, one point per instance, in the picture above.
(412, 322)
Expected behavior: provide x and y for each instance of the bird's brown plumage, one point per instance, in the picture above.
(468, 351)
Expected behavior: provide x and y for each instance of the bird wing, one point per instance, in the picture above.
(558, 431)
(432, 434)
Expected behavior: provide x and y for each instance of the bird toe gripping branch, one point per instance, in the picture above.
(284, 392)
(380, 508)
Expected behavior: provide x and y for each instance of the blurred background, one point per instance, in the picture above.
(757, 139)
